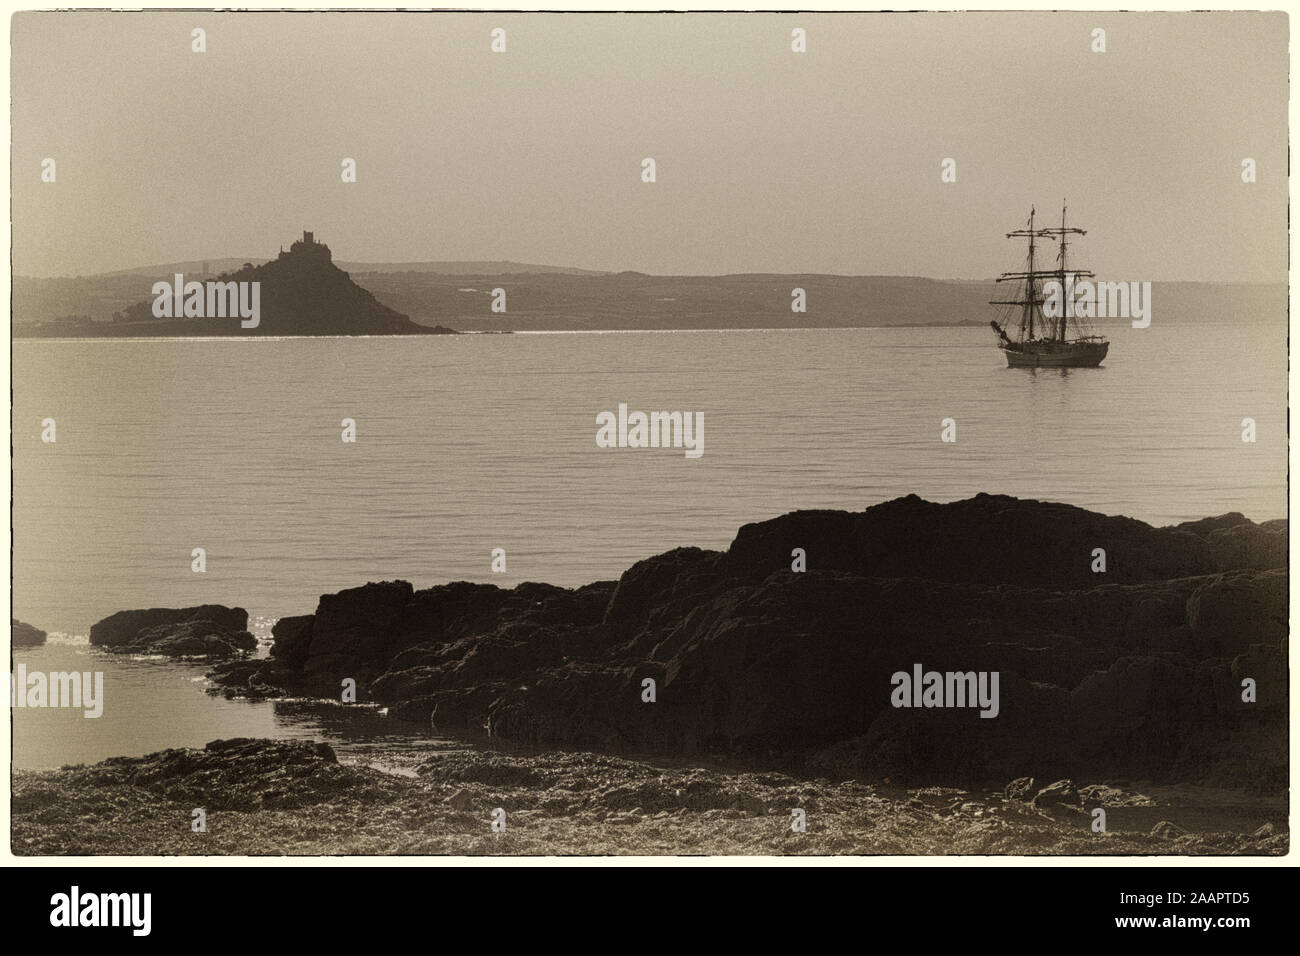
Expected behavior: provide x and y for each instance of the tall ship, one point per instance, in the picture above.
(1037, 340)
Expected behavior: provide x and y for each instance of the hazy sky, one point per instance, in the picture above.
(767, 160)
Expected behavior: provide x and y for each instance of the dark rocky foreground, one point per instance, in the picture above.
(1136, 672)
(1120, 691)
(275, 797)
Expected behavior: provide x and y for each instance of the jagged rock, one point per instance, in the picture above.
(665, 579)
(1138, 712)
(25, 635)
(1204, 526)
(1233, 611)
(1248, 545)
(1128, 672)
(189, 639)
(991, 539)
(407, 683)
(1105, 795)
(206, 630)
(1167, 830)
(292, 639)
(464, 708)
(1063, 793)
(255, 679)
(446, 614)
(352, 628)
(587, 704)
(1022, 788)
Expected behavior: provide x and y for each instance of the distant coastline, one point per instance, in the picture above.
(420, 298)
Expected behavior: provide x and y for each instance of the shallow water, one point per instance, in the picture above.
(152, 704)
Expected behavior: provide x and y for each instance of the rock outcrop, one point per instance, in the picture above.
(209, 630)
(302, 292)
(1139, 670)
(25, 635)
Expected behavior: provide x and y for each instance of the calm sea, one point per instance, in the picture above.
(470, 443)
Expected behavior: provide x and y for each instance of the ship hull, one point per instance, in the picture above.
(1056, 354)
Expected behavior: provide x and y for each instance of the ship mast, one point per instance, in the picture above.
(1061, 257)
(1061, 271)
(1061, 337)
(1031, 301)
(1029, 285)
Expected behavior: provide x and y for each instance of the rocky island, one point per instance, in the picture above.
(697, 702)
(301, 292)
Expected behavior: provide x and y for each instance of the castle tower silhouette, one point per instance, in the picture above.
(308, 246)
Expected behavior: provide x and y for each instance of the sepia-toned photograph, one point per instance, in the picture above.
(363, 503)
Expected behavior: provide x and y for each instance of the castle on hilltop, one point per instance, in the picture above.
(308, 246)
